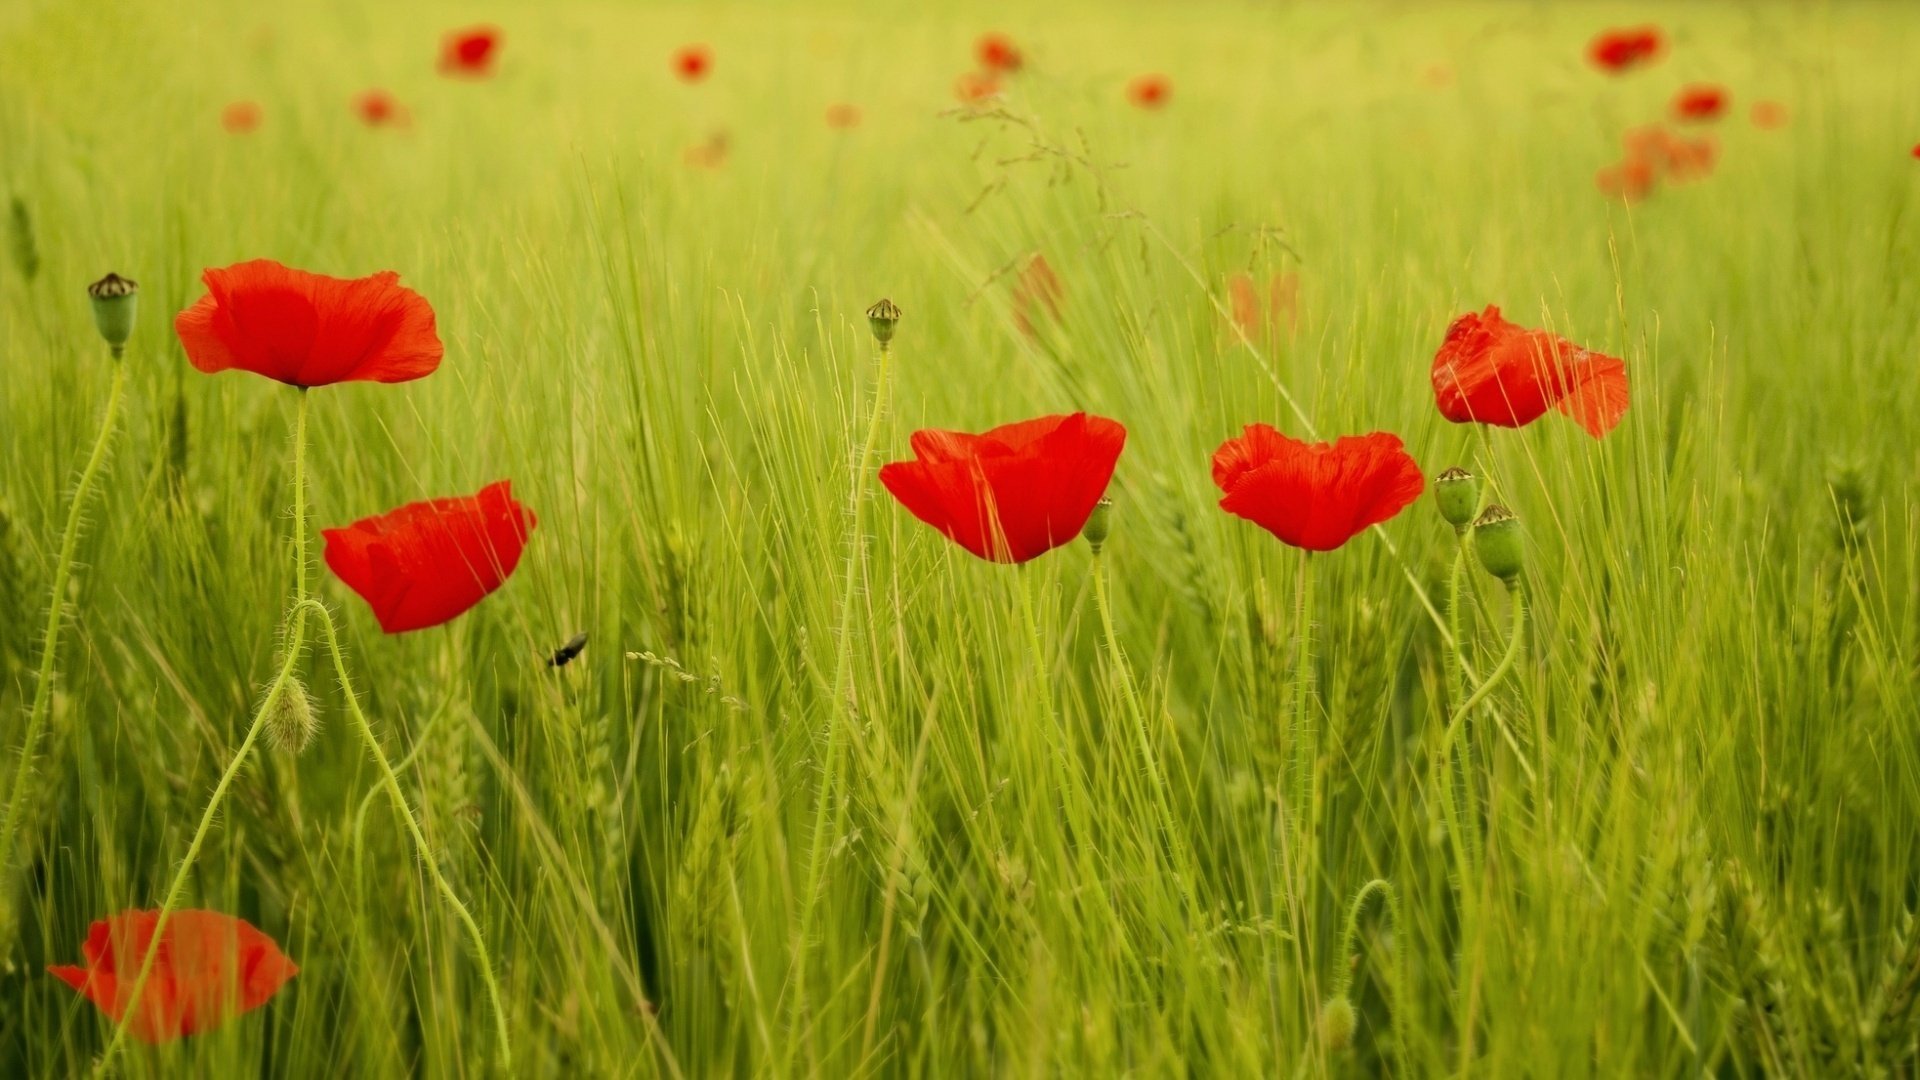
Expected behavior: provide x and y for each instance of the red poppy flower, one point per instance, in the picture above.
(1768, 115)
(1036, 294)
(1916, 150)
(378, 108)
(1692, 159)
(974, 87)
(1490, 371)
(470, 53)
(998, 53)
(207, 969)
(1616, 51)
(1700, 101)
(1631, 179)
(1259, 316)
(307, 329)
(1013, 493)
(1149, 91)
(841, 116)
(428, 562)
(241, 117)
(1315, 496)
(692, 62)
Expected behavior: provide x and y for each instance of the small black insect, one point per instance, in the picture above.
(565, 653)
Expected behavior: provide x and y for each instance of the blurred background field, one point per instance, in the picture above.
(1703, 817)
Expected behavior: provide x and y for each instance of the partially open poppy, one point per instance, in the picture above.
(1150, 91)
(1490, 371)
(241, 117)
(470, 53)
(207, 969)
(1013, 493)
(692, 62)
(1701, 101)
(1315, 496)
(429, 562)
(1619, 50)
(997, 53)
(306, 329)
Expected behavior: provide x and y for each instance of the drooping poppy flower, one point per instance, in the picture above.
(470, 53)
(1315, 496)
(1630, 179)
(975, 87)
(1264, 317)
(843, 115)
(241, 117)
(1619, 50)
(1768, 115)
(1013, 493)
(1036, 295)
(1490, 371)
(428, 562)
(306, 329)
(377, 108)
(1149, 91)
(997, 53)
(1699, 102)
(207, 969)
(692, 62)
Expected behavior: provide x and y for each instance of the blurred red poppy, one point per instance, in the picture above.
(1768, 115)
(1916, 150)
(710, 154)
(1700, 101)
(1692, 159)
(998, 53)
(974, 87)
(378, 108)
(1490, 371)
(470, 53)
(1262, 317)
(1036, 295)
(1619, 50)
(1630, 179)
(307, 329)
(692, 62)
(1149, 91)
(428, 562)
(842, 115)
(207, 969)
(241, 117)
(1315, 496)
(1013, 493)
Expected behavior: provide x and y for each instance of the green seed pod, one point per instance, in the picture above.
(1496, 536)
(1337, 1024)
(883, 316)
(26, 254)
(293, 721)
(114, 301)
(1099, 524)
(1458, 493)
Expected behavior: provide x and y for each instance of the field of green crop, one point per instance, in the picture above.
(826, 795)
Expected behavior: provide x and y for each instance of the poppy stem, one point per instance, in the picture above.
(1457, 647)
(1343, 960)
(1305, 751)
(300, 501)
(1463, 826)
(42, 706)
(390, 780)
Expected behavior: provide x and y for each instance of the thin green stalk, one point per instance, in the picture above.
(1456, 655)
(1461, 823)
(42, 706)
(1305, 746)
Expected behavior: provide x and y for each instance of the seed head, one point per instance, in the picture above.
(1458, 493)
(1099, 524)
(114, 301)
(883, 316)
(1496, 536)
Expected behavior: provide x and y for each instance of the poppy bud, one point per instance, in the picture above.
(882, 317)
(1099, 524)
(1496, 536)
(1458, 493)
(293, 722)
(26, 254)
(114, 301)
(1337, 1023)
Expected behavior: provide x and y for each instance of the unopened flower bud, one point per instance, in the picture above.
(292, 723)
(114, 301)
(1337, 1023)
(1458, 493)
(1496, 536)
(883, 316)
(1099, 524)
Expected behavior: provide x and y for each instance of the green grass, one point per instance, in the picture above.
(1697, 795)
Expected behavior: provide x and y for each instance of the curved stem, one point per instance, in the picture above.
(42, 706)
(1515, 636)
(1343, 973)
(390, 780)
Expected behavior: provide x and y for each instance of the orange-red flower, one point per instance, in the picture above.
(1916, 150)
(1619, 50)
(692, 62)
(429, 562)
(307, 329)
(207, 969)
(997, 53)
(974, 87)
(843, 115)
(1266, 316)
(1036, 295)
(378, 108)
(1150, 91)
(1768, 115)
(1315, 496)
(1490, 371)
(1631, 179)
(1013, 493)
(1701, 101)
(470, 53)
(241, 117)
